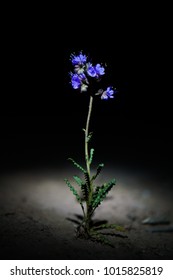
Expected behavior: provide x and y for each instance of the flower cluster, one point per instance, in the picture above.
(83, 71)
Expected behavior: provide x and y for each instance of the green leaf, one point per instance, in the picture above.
(109, 226)
(91, 156)
(84, 187)
(99, 168)
(100, 193)
(75, 193)
(78, 181)
(87, 179)
(85, 191)
(73, 190)
(77, 165)
(95, 194)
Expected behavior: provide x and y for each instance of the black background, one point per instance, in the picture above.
(42, 116)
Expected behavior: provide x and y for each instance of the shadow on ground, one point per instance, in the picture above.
(37, 213)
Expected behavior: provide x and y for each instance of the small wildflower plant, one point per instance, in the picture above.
(85, 73)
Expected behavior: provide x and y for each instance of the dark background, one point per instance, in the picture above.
(42, 116)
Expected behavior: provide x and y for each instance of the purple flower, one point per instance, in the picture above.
(91, 70)
(79, 81)
(95, 71)
(82, 76)
(99, 70)
(83, 70)
(78, 59)
(108, 93)
(75, 81)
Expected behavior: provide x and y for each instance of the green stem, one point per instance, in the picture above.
(86, 136)
(88, 163)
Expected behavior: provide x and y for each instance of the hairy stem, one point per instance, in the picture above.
(86, 136)
(88, 163)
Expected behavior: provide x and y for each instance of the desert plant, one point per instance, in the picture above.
(84, 74)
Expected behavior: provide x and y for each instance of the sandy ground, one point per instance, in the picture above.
(36, 208)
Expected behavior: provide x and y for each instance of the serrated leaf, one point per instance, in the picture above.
(84, 187)
(109, 226)
(99, 168)
(78, 180)
(73, 190)
(91, 155)
(95, 194)
(100, 193)
(87, 179)
(85, 191)
(77, 165)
